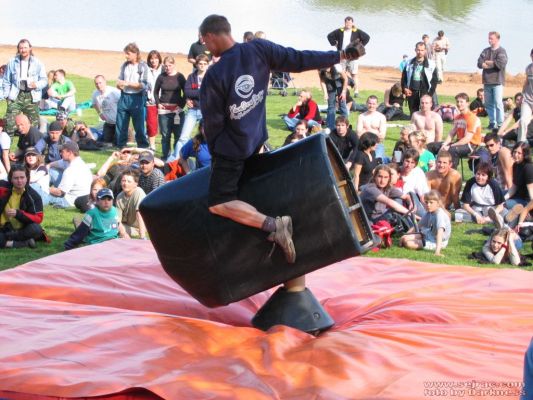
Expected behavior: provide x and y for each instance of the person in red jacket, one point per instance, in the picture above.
(304, 109)
(21, 210)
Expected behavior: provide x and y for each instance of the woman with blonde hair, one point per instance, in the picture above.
(426, 159)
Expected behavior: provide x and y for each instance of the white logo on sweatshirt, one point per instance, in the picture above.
(244, 86)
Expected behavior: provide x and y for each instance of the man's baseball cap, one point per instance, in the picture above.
(61, 116)
(146, 156)
(32, 150)
(71, 146)
(55, 126)
(105, 192)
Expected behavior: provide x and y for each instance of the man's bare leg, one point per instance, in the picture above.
(279, 228)
(240, 212)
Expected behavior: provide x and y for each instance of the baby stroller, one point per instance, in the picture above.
(281, 81)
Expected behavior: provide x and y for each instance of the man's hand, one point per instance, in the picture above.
(12, 156)
(407, 92)
(11, 212)
(354, 50)
(190, 103)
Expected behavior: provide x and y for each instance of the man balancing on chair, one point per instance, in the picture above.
(233, 95)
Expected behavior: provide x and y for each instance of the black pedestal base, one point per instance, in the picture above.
(300, 310)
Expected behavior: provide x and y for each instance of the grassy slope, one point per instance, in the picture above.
(58, 222)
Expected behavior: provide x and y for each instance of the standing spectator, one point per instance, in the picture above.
(196, 49)
(304, 109)
(467, 129)
(150, 178)
(192, 93)
(154, 70)
(44, 104)
(76, 179)
(429, 46)
(21, 211)
(403, 63)
(521, 192)
(493, 61)
(28, 137)
(501, 160)
(5, 146)
(127, 204)
(22, 85)
(478, 105)
(341, 38)
(441, 46)
(99, 223)
(430, 122)
(419, 78)
(170, 99)
(365, 159)
(39, 177)
(527, 102)
(61, 92)
(446, 180)
(132, 82)
(334, 83)
(105, 101)
(346, 140)
(375, 122)
(435, 227)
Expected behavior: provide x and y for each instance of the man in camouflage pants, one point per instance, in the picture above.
(22, 85)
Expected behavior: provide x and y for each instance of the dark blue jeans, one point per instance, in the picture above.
(528, 374)
(167, 127)
(131, 106)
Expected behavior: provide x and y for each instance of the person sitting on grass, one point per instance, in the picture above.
(127, 204)
(99, 224)
(61, 93)
(197, 149)
(345, 140)
(435, 227)
(21, 210)
(480, 193)
(403, 143)
(446, 180)
(365, 160)
(304, 109)
(418, 140)
(381, 200)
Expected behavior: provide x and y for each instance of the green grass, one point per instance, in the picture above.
(58, 223)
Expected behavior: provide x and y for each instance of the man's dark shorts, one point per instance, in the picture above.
(224, 182)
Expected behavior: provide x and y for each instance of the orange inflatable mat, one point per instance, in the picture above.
(105, 321)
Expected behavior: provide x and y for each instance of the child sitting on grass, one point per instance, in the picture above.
(99, 224)
(435, 227)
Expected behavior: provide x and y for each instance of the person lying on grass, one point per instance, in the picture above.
(435, 227)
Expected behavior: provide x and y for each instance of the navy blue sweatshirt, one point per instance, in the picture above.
(233, 93)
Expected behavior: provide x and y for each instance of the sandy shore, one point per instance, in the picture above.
(88, 63)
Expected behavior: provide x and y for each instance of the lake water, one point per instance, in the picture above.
(171, 25)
